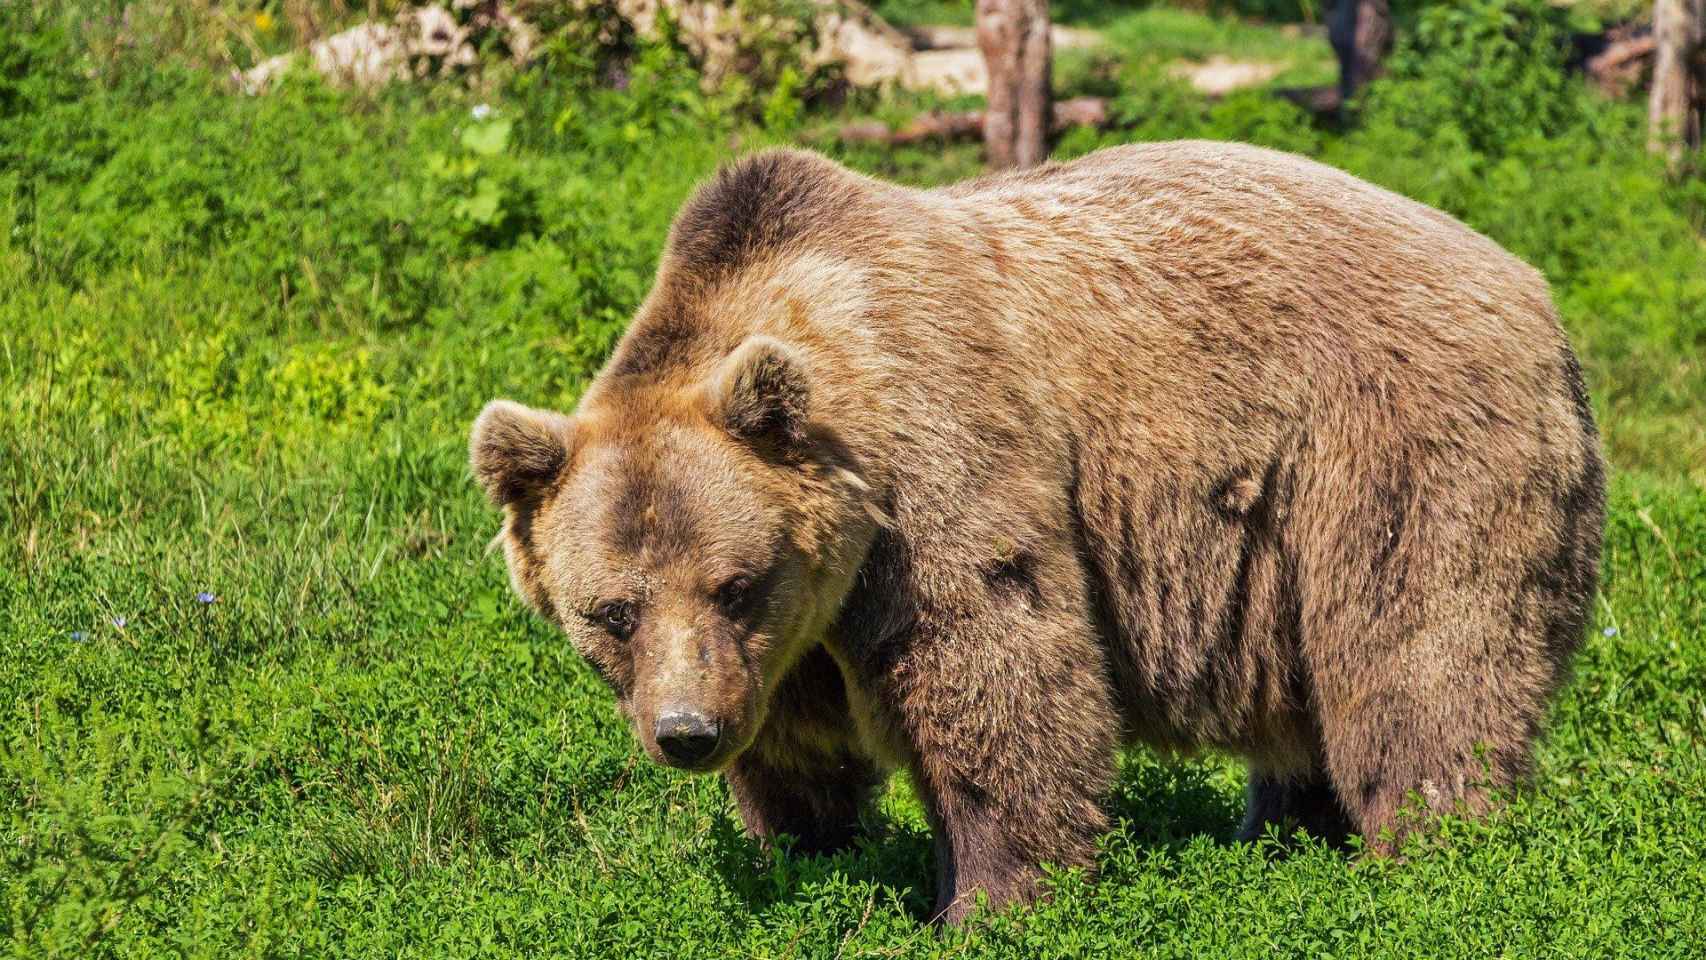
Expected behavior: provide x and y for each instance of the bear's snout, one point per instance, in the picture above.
(686, 737)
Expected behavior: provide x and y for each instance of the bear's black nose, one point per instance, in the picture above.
(686, 737)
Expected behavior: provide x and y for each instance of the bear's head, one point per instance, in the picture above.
(693, 536)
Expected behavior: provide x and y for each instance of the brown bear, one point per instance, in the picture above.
(1189, 444)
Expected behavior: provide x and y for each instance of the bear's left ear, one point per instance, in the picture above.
(516, 451)
(761, 393)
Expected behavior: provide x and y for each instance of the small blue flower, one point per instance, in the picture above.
(204, 598)
(78, 636)
(1610, 631)
(120, 621)
(481, 111)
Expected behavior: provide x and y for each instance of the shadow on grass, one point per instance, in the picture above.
(1159, 804)
(1154, 806)
(893, 856)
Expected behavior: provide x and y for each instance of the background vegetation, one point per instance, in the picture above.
(266, 692)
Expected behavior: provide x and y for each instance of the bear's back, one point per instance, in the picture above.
(1261, 227)
(1233, 285)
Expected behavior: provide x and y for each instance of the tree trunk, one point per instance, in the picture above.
(1014, 38)
(1361, 34)
(1679, 77)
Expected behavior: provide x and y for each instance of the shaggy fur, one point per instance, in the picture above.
(1189, 444)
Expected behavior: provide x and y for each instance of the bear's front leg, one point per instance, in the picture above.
(817, 802)
(802, 775)
(1012, 732)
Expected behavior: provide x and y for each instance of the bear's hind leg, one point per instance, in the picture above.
(1443, 718)
(1446, 594)
(1402, 754)
(1292, 801)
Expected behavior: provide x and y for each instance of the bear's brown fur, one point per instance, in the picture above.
(1189, 444)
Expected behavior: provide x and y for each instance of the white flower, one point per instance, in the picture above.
(481, 111)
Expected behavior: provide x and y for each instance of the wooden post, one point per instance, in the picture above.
(1014, 38)
(1679, 77)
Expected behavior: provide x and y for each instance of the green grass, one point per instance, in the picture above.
(911, 13)
(241, 341)
(1101, 13)
(1168, 34)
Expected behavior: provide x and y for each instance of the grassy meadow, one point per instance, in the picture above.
(266, 692)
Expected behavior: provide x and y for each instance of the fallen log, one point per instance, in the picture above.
(967, 125)
(1617, 69)
(1323, 101)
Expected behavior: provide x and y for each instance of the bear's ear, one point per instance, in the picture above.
(761, 393)
(515, 450)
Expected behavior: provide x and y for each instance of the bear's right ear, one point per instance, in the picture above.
(761, 392)
(515, 450)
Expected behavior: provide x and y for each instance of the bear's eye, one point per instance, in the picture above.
(615, 616)
(736, 596)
